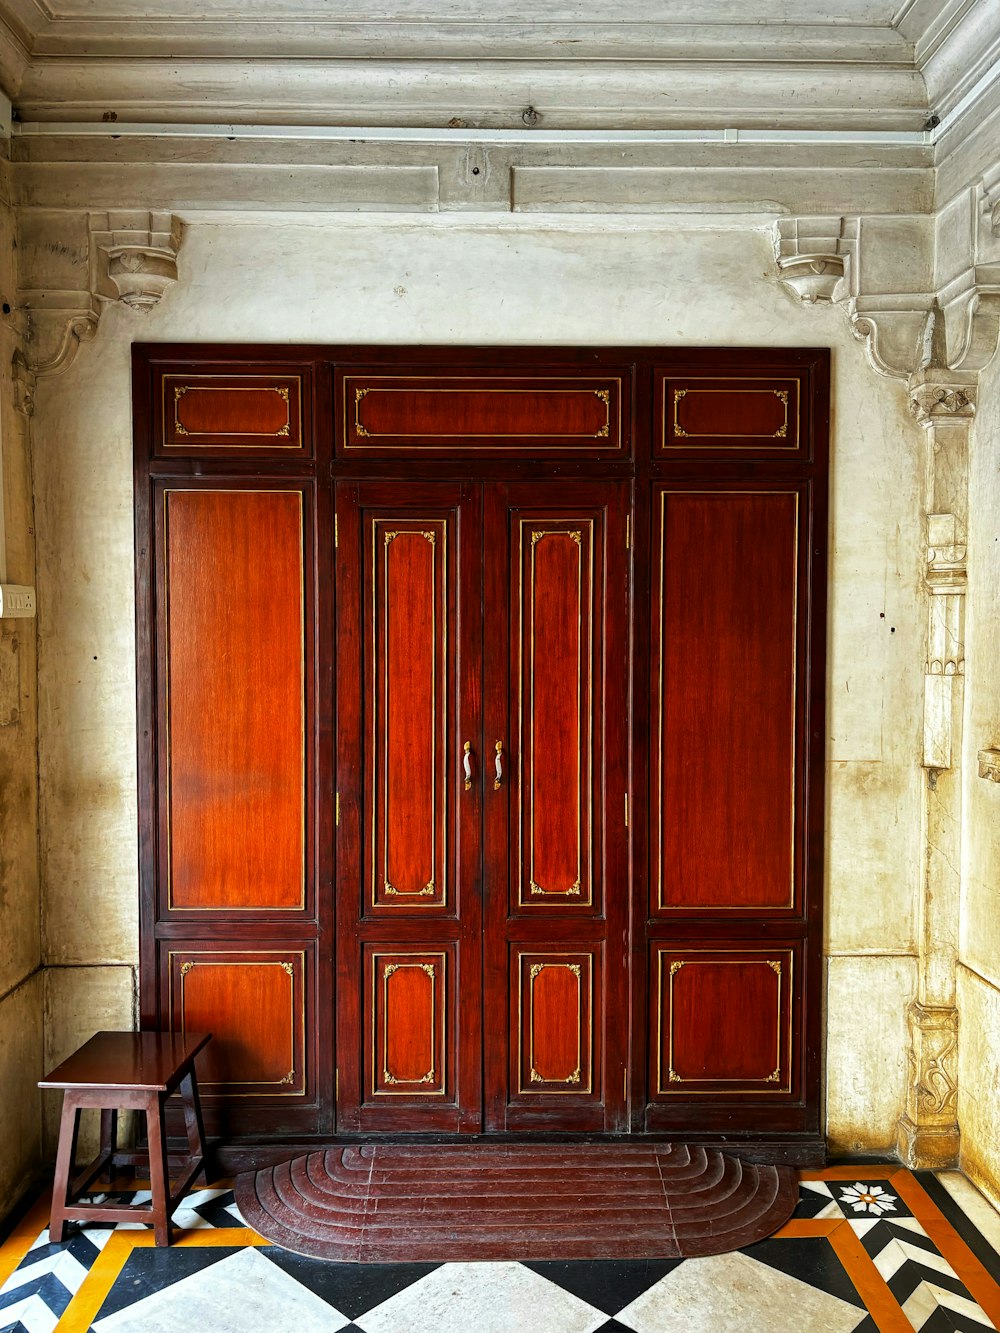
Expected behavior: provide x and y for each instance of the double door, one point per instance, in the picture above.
(482, 779)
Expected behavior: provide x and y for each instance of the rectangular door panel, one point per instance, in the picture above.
(410, 1023)
(558, 1012)
(236, 754)
(727, 658)
(254, 1001)
(410, 716)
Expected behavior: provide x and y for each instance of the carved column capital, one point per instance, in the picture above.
(938, 396)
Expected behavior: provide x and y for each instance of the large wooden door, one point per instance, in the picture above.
(481, 705)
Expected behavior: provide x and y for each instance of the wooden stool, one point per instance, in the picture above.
(127, 1071)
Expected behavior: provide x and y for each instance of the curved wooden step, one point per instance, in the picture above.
(392, 1203)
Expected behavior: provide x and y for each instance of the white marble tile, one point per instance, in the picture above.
(244, 1293)
(733, 1291)
(975, 1205)
(482, 1298)
(32, 1314)
(925, 1299)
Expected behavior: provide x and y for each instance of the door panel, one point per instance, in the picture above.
(234, 762)
(409, 594)
(555, 864)
(727, 654)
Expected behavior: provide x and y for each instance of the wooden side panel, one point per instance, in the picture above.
(253, 1001)
(759, 416)
(434, 413)
(409, 1001)
(558, 837)
(726, 644)
(559, 1016)
(204, 414)
(721, 1020)
(233, 680)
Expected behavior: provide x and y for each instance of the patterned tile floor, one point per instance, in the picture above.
(869, 1247)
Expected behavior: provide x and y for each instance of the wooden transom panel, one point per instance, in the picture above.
(730, 415)
(486, 413)
(244, 412)
(725, 639)
(253, 1002)
(721, 1020)
(234, 681)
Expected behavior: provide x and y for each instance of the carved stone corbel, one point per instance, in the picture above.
(133, 256)
(75, 267)
(812, 255)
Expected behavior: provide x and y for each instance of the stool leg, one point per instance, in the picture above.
(69, 1128)
(159, 1174)
(109, 1140)
(193, 1121)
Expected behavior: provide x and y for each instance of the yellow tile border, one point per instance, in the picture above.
(93, 1290)
(24, 1236)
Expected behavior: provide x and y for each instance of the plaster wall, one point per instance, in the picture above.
(979, 946)
(450, 280)
(20, 954)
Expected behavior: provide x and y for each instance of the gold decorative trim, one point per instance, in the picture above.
(680, 433)
(603, 432)
(233, 958)
(584, 780)
(712, 958)
(437, 1029)
(573, 1080)
(380, 710)
(391, 891)
(282, 390)
(288, 1079)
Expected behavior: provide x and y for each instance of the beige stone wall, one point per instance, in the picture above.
(444, 281)
(979, 967)
(20, 956)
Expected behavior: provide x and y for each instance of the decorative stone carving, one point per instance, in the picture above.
(79, 265)
(133, 256)
(989, 765)
(929, 1130)
(812, 254)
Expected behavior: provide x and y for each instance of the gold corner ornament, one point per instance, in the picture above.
(605, 396)
(775, 965)
(674, 1076)
(288, 1080)
(391, 891)
(573, 890)
(774, 1077)
(536, 1077)
(287, 967)
(574, 534)
(359, 429)
(676, 966)
(391, 1079)
(186, 968)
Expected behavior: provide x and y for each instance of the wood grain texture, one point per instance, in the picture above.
(253, 1001)
(725, 650)
(721, 1019)
(497, 414)
(234, 681)
(387, 1203)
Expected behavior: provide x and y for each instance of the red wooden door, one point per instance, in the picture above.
(555, 809)
(408, 826)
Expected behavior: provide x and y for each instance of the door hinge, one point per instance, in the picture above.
(628, 531)
(336, 808)
(626, 809)
(625, 1084)
(336, 1085)
(336, 532)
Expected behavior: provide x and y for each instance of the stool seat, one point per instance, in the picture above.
(134, 1071)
